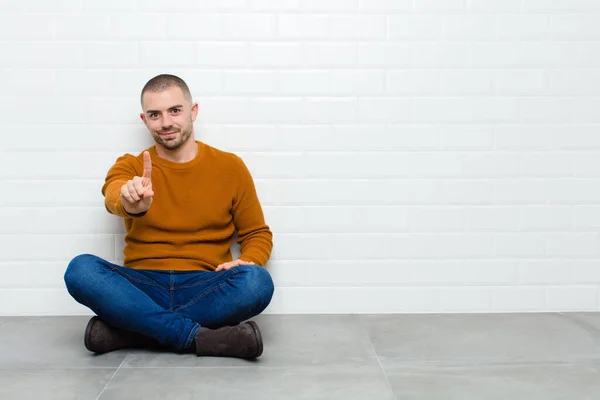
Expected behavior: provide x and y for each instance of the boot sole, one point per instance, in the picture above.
(88, 331)
(259, 340)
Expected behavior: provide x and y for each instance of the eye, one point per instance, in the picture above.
(176, 110)
(154, 115)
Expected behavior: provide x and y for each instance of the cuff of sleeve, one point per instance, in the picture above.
(250, 258)
(132, 215)
(257, 257)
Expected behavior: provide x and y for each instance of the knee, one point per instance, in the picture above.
(257, 285)
(78, 268)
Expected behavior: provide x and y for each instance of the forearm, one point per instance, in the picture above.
(256, 247)
(254, 236)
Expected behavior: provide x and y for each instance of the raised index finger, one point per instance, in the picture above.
(147, 165)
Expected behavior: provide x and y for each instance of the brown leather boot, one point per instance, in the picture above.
(241, 341)
(101, 337)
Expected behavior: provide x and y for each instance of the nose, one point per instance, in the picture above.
(167, 122)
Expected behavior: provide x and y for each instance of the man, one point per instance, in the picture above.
(181, 200)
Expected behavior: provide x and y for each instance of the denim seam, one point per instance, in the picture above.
(171, 289)
(195, 300)
(205, 281)
(118, 271)
(198, 283)
(191, 336)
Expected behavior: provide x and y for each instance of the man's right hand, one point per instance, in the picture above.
(137, 194)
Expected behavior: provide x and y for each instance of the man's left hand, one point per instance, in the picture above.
(231, 264)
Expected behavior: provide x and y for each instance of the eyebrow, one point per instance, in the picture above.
(170, 108)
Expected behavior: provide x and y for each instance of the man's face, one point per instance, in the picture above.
(169, 116)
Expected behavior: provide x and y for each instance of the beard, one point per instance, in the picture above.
(179, 138)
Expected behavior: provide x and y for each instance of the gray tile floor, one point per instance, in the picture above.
(469, 356)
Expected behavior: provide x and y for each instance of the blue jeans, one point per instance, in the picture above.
(169, 306)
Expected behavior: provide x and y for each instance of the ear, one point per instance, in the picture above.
(143, 117)
(194, 111)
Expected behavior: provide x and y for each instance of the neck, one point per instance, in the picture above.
(185, 153)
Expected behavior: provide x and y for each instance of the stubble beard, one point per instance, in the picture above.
(181, 137)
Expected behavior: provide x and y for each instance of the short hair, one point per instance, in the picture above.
(165, 81)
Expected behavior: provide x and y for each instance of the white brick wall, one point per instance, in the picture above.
(410, 155)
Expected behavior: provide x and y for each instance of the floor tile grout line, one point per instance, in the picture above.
(111, 378)
(389, 384)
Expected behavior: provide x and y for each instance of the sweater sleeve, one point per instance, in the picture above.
(124, 169)
(254, 236)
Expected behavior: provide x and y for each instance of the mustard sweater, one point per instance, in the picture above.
(196, 209)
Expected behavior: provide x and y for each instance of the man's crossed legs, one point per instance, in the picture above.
(200, 312)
